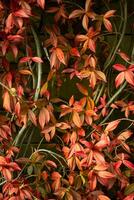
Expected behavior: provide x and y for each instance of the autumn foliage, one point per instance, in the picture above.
(55, 144)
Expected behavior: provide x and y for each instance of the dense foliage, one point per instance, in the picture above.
(66, 106)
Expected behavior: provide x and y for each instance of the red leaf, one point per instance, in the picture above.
(41, 3)
(21, 13)
(124, 56)
(15, 38)
(119, 79)
(74, 52)
(108, 25)
(60, 55)
(25, 59)
(91, 45)
(112, 125)
(37, 59)
(128, 164)
(117, 164)
(14, 50)
(119, 67)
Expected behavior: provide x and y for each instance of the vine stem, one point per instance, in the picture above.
(39, 74)
(19, 135)
(116, 94)
(122, 35)
(39, 65)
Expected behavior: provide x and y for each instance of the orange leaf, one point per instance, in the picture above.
(85, 22)
(71, 101)
(41, 3)
(43, 88)
(112, 125)
(93, 183)
(60, 55)
(82, 89)
(125, 135)
(100, 167)
(51, 163)
(105, 174)
(17, 108)
(32, 117)
(92, 80)
(55, 176)
(7, 174)
(101, 75)
(76, 13)
(44, 117)
(129, 76)
(6, 101)
(76, 119)
(81, 38)
(53, 59)
(109, 13)
(103, 197)
(25, 72)
(88, 5)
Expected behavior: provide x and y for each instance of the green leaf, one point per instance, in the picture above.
(30, 170)
(129, 189)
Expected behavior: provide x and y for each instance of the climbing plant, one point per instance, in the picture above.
(66, 104)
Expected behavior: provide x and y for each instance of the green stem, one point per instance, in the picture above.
(107, 117)
(100, 93)
(39, 65)
(116, 94)
(121, 38)
(8, 89)
(16, 141)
